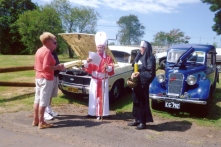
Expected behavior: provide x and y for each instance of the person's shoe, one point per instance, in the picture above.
(50, 111)
(44, 126)
(47, 116)
(134, 123)
(141, 126)
(54, 114)
(98, 118)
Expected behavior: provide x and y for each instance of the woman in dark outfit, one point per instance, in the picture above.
(140, 94)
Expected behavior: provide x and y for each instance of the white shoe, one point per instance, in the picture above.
(98, 118)
(54, 114)
(47, 116)
(50, 111)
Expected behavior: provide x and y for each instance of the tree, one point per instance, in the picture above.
(175, 36)
(9, 35)
(63, 9)
(75, 19)
(85, 19)
(131, 30)
(160, 38)
(32, 24)
(215, 7)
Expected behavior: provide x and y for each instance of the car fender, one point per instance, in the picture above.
(202, 91)
(155, 87)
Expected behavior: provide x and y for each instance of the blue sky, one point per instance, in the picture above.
(190, 16)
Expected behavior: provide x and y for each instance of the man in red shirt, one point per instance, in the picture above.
(44, 74)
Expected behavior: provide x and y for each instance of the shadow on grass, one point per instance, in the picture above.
(24, 96)
(125, 100)
(75, 98)
(83, 100)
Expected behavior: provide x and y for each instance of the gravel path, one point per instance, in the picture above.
(72, 128)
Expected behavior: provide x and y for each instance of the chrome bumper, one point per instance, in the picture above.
(78, 89)
(164, 98)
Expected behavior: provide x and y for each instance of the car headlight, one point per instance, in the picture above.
(161, 78)
(191, 80)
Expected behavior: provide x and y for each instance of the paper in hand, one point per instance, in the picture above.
(96, 59)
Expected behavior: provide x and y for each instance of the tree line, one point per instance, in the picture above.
(22, 22)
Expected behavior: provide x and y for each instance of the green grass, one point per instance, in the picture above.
(16, 60)
(14, 99)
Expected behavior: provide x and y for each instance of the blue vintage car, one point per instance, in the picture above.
(190, 77)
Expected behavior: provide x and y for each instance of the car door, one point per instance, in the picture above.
(211, 66)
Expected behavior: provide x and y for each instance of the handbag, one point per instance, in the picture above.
(132, 83)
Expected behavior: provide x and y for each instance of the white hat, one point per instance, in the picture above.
(100, 38)
(143, 44)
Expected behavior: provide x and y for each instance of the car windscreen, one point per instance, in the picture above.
(121, 56)
(196, 56)
(173, 55)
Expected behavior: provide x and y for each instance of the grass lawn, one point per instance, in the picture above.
(14, 99)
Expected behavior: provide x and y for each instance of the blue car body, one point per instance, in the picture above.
(190, 76)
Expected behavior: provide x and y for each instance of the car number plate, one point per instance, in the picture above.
(74, 90)
(171, 104)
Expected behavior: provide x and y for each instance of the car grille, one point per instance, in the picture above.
(82, 80)
(175, 83)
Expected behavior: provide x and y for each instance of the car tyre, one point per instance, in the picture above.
(116, 91)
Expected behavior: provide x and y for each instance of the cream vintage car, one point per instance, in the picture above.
(75, 80)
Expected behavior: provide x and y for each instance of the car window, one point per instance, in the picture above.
(209, 59)
(214, 58)
(121, 56)
(197, 57)
(133, 55)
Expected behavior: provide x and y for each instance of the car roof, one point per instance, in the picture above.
(197, 47)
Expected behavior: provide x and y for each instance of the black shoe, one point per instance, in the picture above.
(134, 123)
(141, 126)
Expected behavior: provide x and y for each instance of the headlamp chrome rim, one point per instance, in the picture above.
(161, 78)
(191, 80)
